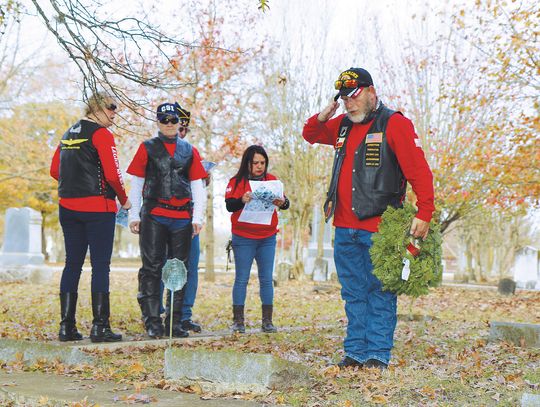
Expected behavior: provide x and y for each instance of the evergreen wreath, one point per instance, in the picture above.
(390, 248)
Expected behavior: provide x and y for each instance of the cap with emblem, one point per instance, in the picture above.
(166, 109)
(183, 115)
(351, 80)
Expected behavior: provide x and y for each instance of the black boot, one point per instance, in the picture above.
(68, 308)
(101, 330)
(238, 319)
(267, 325)
(177, 329)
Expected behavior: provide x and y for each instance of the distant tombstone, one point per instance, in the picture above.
(320, 270)
(525, 269)
(506, 286)
(21, 257)
(311, 255)
(282, 273)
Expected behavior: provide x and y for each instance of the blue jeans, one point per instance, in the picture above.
(263, 251)
(192, 279)
(371, 312)
(83, 231)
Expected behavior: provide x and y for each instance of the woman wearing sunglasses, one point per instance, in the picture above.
(251, 241)
(167, 177)
(86, 167)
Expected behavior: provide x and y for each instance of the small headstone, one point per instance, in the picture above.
(230, 371)
(530, 400)
(320, 269)
(21, 258)
(524, 335)
(525, 270)
(13, 350)
(507, 286)
(282, 274)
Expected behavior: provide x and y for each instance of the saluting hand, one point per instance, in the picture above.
(329, 111)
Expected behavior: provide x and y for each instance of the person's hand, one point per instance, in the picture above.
(419, 228)
(134, 226)
(246, 197)
(329, 111)
(127, 205)
(278, 202)
(196, 229)
(208, 179)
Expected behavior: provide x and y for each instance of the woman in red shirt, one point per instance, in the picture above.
(250, 240)
(86, 167)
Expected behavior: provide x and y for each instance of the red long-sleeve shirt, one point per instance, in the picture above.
(403, 141)
(103, 141)
(245, 229)
(196, 171)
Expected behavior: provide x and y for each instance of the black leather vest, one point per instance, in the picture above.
(377, 179)
(81, 171)
(167, 177)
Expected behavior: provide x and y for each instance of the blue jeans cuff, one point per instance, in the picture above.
(377, 357)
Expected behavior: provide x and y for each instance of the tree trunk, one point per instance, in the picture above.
(209, 269)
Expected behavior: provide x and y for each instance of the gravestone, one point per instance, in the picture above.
(525, 269)
(524, 335)
(21, 257)
(30, 352)
(229, 371)
(506, 286)
(320, 268)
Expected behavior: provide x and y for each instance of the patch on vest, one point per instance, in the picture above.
(373, 149)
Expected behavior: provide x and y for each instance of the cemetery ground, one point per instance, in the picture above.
(442, 355)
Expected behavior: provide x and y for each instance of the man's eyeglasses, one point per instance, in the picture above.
(346, 83)
(167, 120)
(183, 129)
(111, 106)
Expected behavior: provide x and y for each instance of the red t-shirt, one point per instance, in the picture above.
(103, 141)
(196, 171)
(403, 141)
(244, 229)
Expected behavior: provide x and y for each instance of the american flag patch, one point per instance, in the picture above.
(374, 138)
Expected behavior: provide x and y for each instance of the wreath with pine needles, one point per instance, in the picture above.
(390, 247)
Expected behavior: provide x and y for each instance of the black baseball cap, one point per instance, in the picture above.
(351, 80)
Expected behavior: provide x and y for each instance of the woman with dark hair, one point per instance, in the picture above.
(252, 241)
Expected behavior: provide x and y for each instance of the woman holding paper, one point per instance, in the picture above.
(253, 195)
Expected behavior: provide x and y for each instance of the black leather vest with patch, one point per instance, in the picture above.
(81, 171)
(377, 179)
(167, 177)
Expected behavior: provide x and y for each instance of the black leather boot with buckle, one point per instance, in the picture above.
(68, 308)
(101, 329)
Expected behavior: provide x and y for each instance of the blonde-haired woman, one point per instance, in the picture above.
(86, 167)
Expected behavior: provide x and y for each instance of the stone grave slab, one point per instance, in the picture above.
(12, 350)
(226, 371)
(525, 335)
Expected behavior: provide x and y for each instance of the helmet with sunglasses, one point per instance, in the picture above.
(183, 115)
(351, 80)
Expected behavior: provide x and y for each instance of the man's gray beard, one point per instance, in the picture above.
(359, 117)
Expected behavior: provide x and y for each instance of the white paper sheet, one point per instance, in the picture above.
(260, 209)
